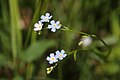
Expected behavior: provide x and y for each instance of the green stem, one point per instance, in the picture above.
(36, 14)
(79, 32)
(69, 53)
(94, 36)
(29, 71)
(109, 49)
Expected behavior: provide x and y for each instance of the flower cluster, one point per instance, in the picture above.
(59, 55)
(54, 25)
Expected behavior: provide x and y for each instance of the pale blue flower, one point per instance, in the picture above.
(52, 59)
(54, 25)
(38, 26)
(46, 18)
(60, 55)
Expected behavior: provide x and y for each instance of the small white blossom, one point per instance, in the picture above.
(38, 26)
(54, 25)
(46, 18)
(86, 41)
(61, 54)
(52, 59)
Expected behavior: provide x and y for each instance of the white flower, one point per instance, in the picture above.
(86, 41)
(54, 25)
(61, 54)
(38, 26)
(52, 59)
(46, 18)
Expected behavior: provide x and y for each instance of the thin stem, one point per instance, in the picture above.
(69, 53)
(94, 36)
(109, 49)
(38, 8)
(29, 71)
(69, 30)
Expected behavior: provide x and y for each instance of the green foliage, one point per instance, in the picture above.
(3, 60)
(111, 68)
(39, 47)
(23, 53)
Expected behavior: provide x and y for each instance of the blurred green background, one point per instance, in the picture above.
(23, 52)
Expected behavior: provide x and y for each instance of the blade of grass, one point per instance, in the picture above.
(35, 18)
(15, 29)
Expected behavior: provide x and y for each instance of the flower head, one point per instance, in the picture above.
(54, 25)
(46, 18)
(86, 41)
(52, 59)
(38, 26)
(61, 54)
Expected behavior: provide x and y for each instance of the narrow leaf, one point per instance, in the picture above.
(36, 50)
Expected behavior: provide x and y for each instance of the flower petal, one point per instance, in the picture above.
(64, 55)
(42, 20)
(47, 14)
(48, 58)
(51, 62)
(52, 55)
(53, 29)
(61, 58)
(58, 22)
(52, 22)
(42, 17)
(62, 51)
(50, 17)
(40, 23)
(57, 52)
(49, 26)
(55, 60)
(36, 29)
(36, 24)
(58, 27)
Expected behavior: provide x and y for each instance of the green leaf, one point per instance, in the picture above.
(75, 55)
(36, 50)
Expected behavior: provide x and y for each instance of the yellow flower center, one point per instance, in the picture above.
(54, 25)
(52, 58)
(46, 18)
(40, 26)
(60, 55)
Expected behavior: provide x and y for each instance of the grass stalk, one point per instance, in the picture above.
(16, 41)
